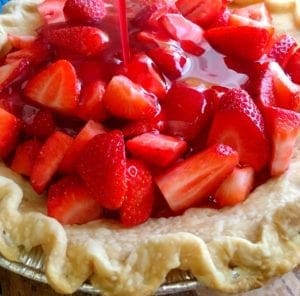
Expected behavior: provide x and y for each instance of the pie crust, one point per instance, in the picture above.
(232, 249)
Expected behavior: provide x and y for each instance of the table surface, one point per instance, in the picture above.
(15, 285)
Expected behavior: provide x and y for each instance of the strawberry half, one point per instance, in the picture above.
(56, 87)
(126, 99)
(293, 67)
(89, 131)
(246, 42)
(82, 40)
(48, 160)
(283, 127)
(25, 156)
(102, 166)
(238, 123)
(51, 11)
(194, 179)
(9, 132)
(138, 203)
(84, 11)
(236, 187)
(157, 149)
(69, 202)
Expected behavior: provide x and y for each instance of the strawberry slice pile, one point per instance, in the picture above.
(208, 103)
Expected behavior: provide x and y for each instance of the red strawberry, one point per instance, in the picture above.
(187, 111)
(194, 179)
(246, 42)
(21, 41)
(48, 160)
(236, 187)
(239, 124)
(138, 203)
(69, 202)
(181, 28)
(282, 49)
(102, 166)
(125, 99)
(201, 12)
(10, 73)
(84, 11)
(9, 132)
(42, 125)
(170, 59)
(90, 70)
(56, 87)
(52, 11)
(293, 67)
(89, 131)
(82, 40)
(143, 71)
(24, 157)
(91, 102)
(157, 149)
(283, 127)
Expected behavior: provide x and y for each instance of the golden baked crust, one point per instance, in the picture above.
(232, 249)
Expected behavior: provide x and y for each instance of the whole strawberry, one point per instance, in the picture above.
(84, 11)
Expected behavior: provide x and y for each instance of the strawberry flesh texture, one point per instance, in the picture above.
(246, 42)
(283, 127)
(239, 123)
(194, 179)
(293, 67)
(52, 11)
(125, 99)
(138, 203)
(236, 187)
(157, 149)
(21, 41)
(48, 160)
(81, 40)
(55, 87)
(25, 156)
(201, 12)
(102, 166)
(84, 11)
(70, 203)
(89, 131)
(9, 132)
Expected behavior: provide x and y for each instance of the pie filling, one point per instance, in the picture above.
(196, 118)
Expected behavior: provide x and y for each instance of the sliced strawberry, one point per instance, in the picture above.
(236, 187)
(138, 203)
(89, 131)
(91, 102)
(82, 40)
(42, 125)
(10, 73)
(69, 202)
(246, 42)
(84, 11)
(181, 28)
(194, 179)
(55, 87)
(9, 132)
(191, 47)
(187, 111)
(201, 12)
(282, 49)
(283, 127)
(102, 166)
(293, 67)
(52, 11)
(25, 156)
(170, 59)
(21, 41)
(222, 18)
(125, 99)
(286, 92)
(239, 124)
(157, 149)
(143, 71)
(48, 160)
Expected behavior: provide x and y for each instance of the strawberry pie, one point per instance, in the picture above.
(167, 138)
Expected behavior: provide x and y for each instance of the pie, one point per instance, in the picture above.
(232, 248)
